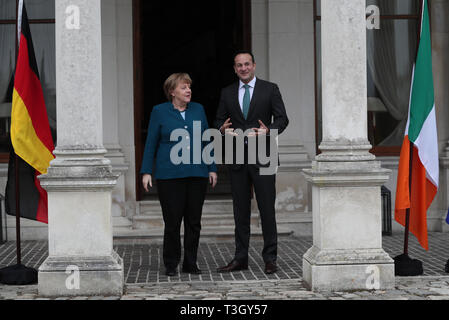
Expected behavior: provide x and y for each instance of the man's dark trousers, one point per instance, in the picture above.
(265, 190)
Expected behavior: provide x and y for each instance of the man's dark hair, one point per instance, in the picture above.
(244, 52)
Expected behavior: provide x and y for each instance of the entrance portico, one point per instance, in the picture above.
(93, 120)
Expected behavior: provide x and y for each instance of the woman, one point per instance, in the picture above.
(181, 187)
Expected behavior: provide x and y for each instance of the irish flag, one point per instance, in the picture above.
(421, 136)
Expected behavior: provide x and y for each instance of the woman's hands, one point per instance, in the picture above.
(147, 180)
(213, 178)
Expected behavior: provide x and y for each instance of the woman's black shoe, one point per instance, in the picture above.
(170, 272)
(191, 270)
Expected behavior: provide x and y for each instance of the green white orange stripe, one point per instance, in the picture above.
(421, 130)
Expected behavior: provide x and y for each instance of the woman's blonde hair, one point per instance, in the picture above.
(172, 82)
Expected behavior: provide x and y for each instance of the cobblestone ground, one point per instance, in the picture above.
(416, 288)
(145, 277)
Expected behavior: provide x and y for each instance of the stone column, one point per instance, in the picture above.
(80, 180)
(111, 120)
(440, 219)
(282, 41)
(439, 10)
(347, 249)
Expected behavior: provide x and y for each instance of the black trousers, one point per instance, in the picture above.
(265, 190)
(181, 198)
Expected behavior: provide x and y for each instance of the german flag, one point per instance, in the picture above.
(30, 132)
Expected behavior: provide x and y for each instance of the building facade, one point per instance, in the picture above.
(129, 47)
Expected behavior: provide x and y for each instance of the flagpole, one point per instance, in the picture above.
(18, 274)
(16, 165)
(18, 247)
(407, 212)
(403, 264)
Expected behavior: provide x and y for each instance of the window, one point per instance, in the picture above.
(391, 52)
(41, 15)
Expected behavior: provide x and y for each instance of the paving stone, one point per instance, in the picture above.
(350, 296)
(237, 294)
(132, 298)
(196, 292)
(184, 297)
(413, 297)
(142, 263)
(441, 291)
(438, 297)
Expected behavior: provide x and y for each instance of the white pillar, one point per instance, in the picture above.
(440, 219)
(347, 249)
(282, 41)
(436, 215)
(80, 180)
(111, 120)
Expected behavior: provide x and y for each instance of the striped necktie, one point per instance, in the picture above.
(246, 101)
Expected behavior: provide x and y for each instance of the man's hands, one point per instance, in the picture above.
(261, 131)
(147, 180)
(226, 129)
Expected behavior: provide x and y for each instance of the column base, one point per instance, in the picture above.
(98, 276)
(346, 270)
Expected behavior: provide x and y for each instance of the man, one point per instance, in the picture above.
(251, 103)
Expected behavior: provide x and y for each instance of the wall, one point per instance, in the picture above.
(440, 45)
(118, 97)
(282, 41)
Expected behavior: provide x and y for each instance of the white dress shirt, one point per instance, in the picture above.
(251, 84)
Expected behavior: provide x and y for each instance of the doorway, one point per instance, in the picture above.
(197, 37)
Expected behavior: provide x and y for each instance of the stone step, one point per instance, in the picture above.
(119, 222)
(207, 220)
(210, 233)
(209, 207)
(215, 213)
(219, 213)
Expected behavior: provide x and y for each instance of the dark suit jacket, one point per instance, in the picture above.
(266, 105)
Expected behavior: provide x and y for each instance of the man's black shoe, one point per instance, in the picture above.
(270, 268)
(233, 266)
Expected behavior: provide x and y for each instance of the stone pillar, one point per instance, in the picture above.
(440, 219)
(439, 10)
(80, 180)
(111, 120)
(282, 41)
(347, 249)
